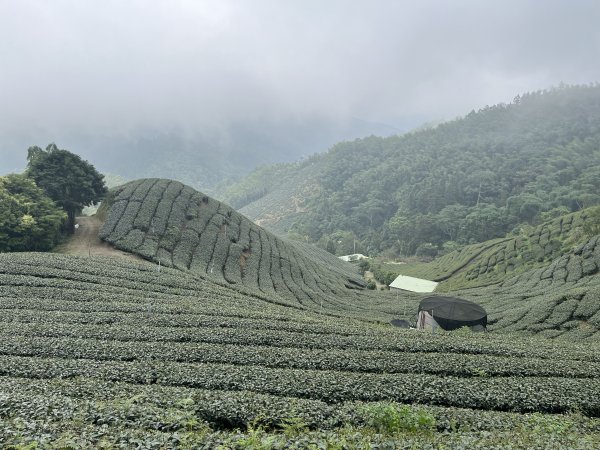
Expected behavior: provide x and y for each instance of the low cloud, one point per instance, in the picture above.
(113, 66)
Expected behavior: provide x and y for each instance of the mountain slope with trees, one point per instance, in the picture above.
(464, 181)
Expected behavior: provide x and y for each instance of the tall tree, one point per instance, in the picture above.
(67, 179)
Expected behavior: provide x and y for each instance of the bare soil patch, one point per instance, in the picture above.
(85, 241)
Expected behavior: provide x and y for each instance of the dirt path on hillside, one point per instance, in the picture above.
(85, 241)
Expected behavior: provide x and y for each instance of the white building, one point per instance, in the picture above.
(412, 284)
(354, 257)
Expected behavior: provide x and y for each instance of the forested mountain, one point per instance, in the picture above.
(464, 181)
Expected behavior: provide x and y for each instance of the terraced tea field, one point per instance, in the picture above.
(559, 300)
(167, 222)
(106, 348)
(493, 261)
(116, 353)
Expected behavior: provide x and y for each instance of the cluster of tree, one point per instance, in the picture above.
(464, 181)
(38, 207)
(29, 219)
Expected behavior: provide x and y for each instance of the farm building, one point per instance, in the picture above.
(450, 313)
(412, 284)
(354, 257)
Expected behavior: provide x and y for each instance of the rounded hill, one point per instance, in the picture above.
(174, 225)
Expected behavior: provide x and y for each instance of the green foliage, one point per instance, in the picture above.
(29, 220)
(363, 265)
(549, 424)
(462, 331)
(591, 227)
(427, 250)
(383, 275)
(294, 427)
(67, 179)
(391, 418)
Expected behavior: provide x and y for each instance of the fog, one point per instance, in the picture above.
(81, 73)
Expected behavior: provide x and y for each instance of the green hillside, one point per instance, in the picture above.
(494, 261)
(462, 182)
(275, 196)
(529, 274)
(560, 299)
(100, 352)
(174, 225)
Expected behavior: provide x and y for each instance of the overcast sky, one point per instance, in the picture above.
(115, 64)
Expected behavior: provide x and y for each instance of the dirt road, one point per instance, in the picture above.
(85, 241)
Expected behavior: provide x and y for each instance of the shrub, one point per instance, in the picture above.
(391, 418)
(427, 250)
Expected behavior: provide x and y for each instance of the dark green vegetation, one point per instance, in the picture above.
(29, 220)
(66, 178)
(494, 261)
(465, 181)
(101, 351)
(167, 222)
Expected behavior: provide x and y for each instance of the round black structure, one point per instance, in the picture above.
(451, 313)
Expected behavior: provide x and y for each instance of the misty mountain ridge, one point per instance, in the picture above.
(203, 158)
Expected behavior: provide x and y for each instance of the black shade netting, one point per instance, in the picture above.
(451, 313)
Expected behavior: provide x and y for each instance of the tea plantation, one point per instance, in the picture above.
(114, 353)
(176, 226)
(491, 262)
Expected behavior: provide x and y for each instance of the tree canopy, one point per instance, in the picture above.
(66, 178)
(29, 219)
